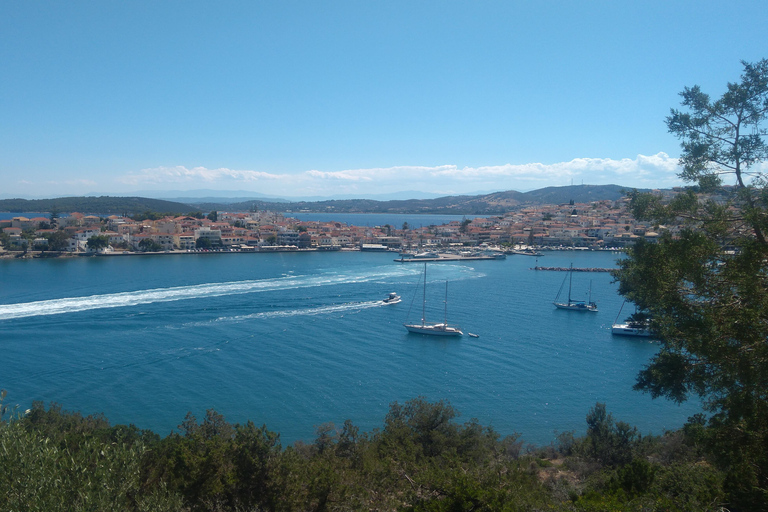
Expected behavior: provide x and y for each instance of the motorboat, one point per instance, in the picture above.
(631, 329)
(392, 298)
(635, 325)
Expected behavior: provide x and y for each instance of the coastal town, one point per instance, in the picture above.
(595, 225)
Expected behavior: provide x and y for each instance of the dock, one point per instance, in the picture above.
(445, 258)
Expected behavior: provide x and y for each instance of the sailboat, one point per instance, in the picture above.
(439, 329)
(632, 326)
(574, 305)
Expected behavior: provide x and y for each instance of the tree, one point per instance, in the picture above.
(213, 216)
(147, 215)
(58, 241)
(149, 245)
(706, 290)
(203, 243)
(97, 242)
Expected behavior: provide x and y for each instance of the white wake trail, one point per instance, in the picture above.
(139, 297)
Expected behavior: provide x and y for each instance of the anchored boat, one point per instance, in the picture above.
(435, 329)
(571, 304)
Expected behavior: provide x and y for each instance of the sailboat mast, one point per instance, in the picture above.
(424, 299)
(445, 303)
(570, 281)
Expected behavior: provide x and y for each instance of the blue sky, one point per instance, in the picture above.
(354, 98)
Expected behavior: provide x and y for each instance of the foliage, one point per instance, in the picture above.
(97, 242)
(706, 289)
(149, 245)
(422, 459)
(608, 442)
(53, 460)
(58, 241)
(100, 205)
(203, 243)
(147, 215)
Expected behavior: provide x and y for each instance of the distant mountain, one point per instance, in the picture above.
(487, 204)
(200, 196)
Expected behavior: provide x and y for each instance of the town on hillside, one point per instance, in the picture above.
(595, 225)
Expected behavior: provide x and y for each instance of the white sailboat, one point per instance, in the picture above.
(438, 329)
(631, 326)
(571, 304)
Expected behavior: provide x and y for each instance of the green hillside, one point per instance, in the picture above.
(488, 204)
(104, 205)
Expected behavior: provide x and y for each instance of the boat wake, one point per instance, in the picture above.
(207, 290)
(320, 310)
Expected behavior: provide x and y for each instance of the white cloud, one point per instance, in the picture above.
(657, 171)
(181, 174)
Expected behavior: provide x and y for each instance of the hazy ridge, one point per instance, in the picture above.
(494, 203)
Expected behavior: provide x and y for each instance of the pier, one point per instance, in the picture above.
(446, 258)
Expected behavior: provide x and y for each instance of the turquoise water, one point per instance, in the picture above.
(294, 340)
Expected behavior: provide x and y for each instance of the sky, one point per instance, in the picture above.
(354, 98)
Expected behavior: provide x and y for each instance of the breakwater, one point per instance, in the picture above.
(575, 269)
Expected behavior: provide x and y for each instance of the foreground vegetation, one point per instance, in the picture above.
(422, 459)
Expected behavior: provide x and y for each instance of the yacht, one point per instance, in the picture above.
(433, 329)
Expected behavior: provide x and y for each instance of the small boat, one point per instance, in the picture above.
(425, 254)
(632, 326)
(473, 335)
(438, 329)
(574, 305)
(524, 252)
(631, 329)
(393, 298)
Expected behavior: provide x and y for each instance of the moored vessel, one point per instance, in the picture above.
(433, 329)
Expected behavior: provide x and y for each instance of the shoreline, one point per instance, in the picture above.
(14, 255)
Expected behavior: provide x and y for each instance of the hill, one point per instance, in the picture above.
(488, 204)
(104, 205)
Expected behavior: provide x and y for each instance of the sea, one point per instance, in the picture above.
(295, 340)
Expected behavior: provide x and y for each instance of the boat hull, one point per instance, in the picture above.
(576, 306)
(434, 329)
(629, 330)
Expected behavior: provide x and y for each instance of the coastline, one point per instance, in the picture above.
(18, 255)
